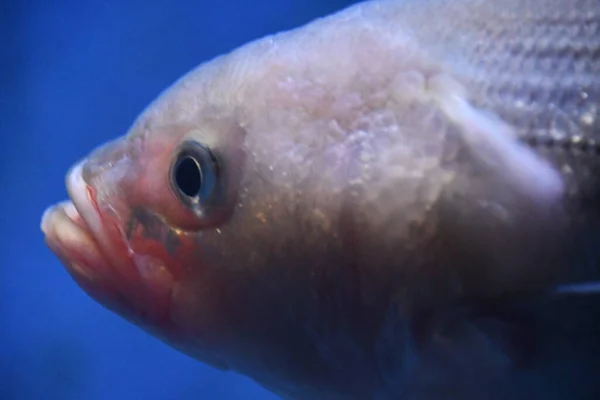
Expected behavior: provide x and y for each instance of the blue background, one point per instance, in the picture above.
(74, 74)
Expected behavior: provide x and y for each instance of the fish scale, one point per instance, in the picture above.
(518, 59)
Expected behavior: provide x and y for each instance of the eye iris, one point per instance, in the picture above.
(188, 177)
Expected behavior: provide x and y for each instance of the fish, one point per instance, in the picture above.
(396, 201)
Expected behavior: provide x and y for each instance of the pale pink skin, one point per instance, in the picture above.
(337, 226)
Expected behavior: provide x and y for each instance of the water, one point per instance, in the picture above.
(74, 74)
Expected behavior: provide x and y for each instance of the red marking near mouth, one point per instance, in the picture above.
(91, 194)
(121, 231)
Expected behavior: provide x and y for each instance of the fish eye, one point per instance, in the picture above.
(188, 176)
(194, 175)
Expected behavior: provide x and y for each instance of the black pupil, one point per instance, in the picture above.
(188, 177)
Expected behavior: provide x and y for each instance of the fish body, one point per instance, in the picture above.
(378, 205)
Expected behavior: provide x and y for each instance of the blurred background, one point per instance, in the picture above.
(74, 74)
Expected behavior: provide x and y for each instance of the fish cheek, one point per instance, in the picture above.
(180, 288)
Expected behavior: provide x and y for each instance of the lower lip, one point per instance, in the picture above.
(68, 237)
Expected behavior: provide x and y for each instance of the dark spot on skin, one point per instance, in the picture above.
(152, 227)
(171, 241)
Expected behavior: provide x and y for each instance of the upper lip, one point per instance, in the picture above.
(81, 195)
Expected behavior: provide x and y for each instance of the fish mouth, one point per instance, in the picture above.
(86, 234)
(74, 232)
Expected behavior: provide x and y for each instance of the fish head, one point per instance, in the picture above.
(141, 207)
(278, 211)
